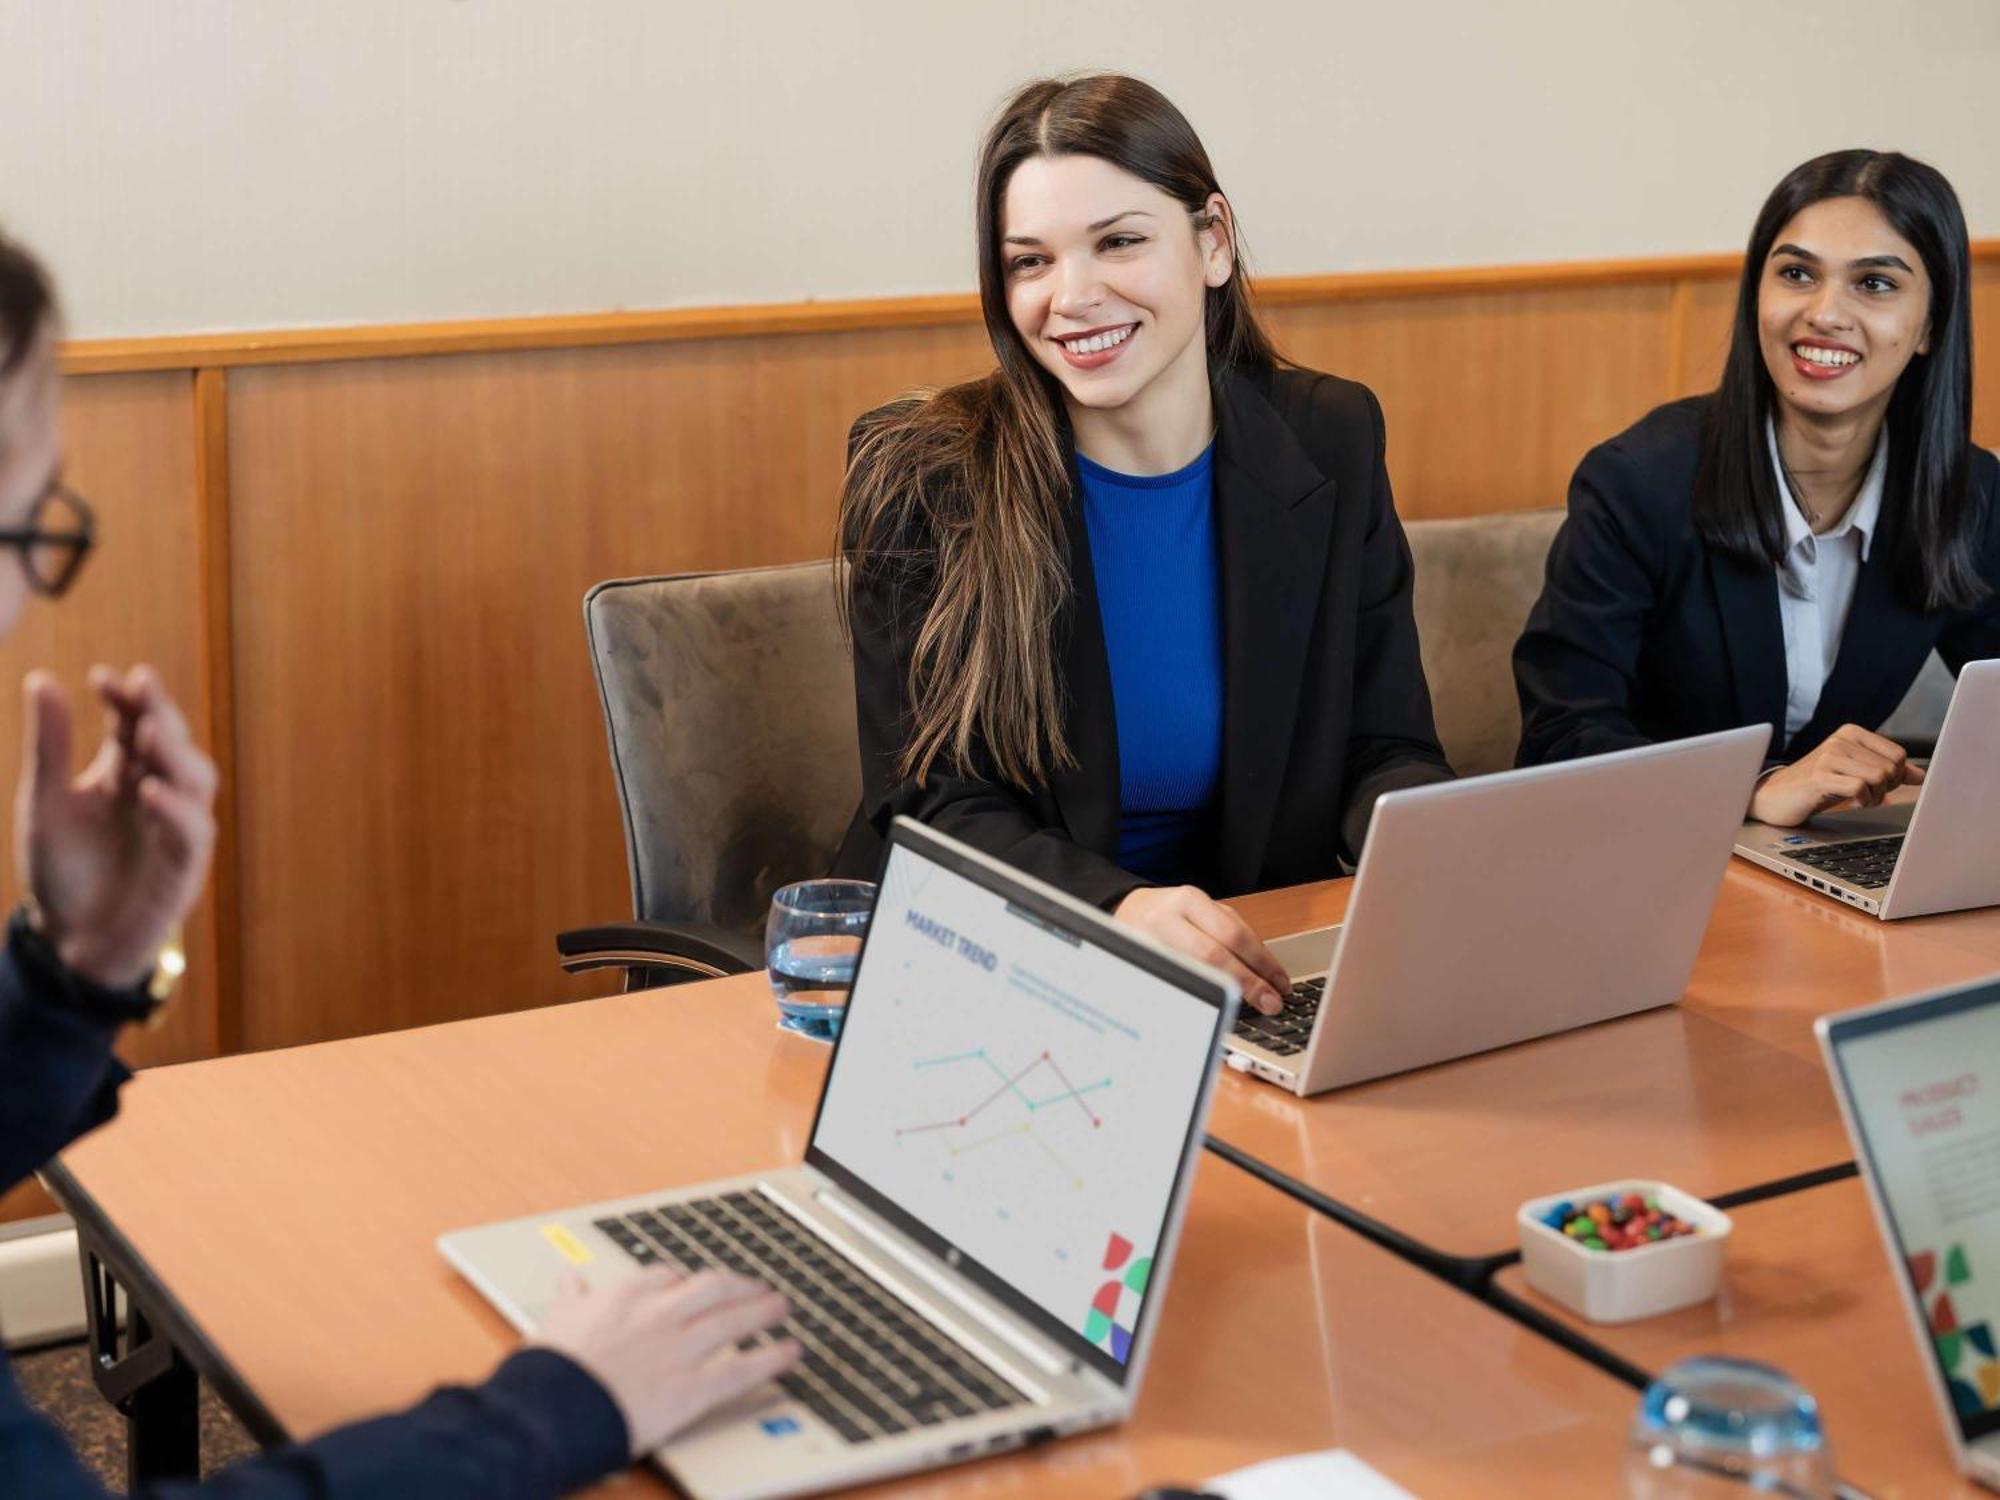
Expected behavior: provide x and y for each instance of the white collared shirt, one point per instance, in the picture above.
(1816, 579)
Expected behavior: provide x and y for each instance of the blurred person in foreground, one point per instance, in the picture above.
(111, 859)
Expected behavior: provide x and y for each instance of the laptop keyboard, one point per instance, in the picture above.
(1291, 1028)
(1867, 863)
(872, 1367)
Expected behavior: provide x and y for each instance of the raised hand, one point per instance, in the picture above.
(115, 856)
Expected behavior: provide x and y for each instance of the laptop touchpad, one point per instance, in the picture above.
(1864, 822)
(1304, 954)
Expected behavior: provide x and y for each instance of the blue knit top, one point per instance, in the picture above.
(1159, 599)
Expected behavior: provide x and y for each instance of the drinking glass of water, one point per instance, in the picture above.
(1713, 1428)
(812, 940)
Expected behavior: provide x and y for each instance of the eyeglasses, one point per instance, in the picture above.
(55, 541)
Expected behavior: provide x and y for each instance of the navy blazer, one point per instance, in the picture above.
(1324, 701)
(1644, 632)
(538, 1427)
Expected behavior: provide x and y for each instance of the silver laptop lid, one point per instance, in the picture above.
(1021, 1085)
(1919, 1085)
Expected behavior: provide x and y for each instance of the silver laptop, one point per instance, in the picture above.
(1911, 858)
(978, 1240)
(1919, 1087)
(1499, 908)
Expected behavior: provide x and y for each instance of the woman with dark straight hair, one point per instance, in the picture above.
(1131, 612)
(1791, 547)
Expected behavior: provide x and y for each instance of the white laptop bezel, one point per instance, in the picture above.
(1059, 908)
(1889, 1015)
(1972, 677)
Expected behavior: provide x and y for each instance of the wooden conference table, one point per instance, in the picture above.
(1807, 1286)
(275, 1214)
(1722, 1095)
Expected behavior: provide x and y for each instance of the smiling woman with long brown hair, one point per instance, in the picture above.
(1791, 547)
(1133, 611)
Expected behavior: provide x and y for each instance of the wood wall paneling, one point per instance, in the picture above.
(424, 795)
(1986, 352)
(130, 453)
(296, 346)
(1704, 334)
(363, 568)
(1491, 399)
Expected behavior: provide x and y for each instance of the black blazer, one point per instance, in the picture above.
(1644, 632)
(1324, 702)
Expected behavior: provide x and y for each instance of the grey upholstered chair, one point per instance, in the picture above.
(729, 705)
(1477, 578)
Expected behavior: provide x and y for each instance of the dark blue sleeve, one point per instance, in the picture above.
(1576, 665)
(58, 1077)
(538, 1428)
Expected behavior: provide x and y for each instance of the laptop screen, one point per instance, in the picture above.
(1923, 1086)
(1022, 1083)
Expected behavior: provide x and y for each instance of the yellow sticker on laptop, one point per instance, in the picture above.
(573, 1249)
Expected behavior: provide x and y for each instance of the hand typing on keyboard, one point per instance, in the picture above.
(1185, 918)
(666, 1347)
(869, 1366)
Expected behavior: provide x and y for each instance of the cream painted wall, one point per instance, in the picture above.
(212, 164)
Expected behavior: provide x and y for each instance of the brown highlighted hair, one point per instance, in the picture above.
(954, 499)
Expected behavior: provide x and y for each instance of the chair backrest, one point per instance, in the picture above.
(1477, 578)
(729, 704)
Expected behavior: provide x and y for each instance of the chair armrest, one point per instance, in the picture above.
(679, 952)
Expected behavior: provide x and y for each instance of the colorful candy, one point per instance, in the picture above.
(1625, 1222)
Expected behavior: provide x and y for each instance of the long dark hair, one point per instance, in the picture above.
(1930, 512)
(967, 486)
(26, 303)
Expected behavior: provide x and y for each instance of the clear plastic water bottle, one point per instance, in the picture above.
(1713, 1428)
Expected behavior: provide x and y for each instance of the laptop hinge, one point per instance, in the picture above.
(1040, 1358)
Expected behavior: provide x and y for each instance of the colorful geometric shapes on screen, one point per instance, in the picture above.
(1114, 1308)
(1949, 1347)
(1923, 1270)
(1944, 1317)
(1989, 1384)
(1955, 1272)
(1980, 1335)
(1964, 1399)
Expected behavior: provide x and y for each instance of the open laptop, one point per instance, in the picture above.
(1499, 908)
(979, 1237)
(1908, 859)
(1919, 1087)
